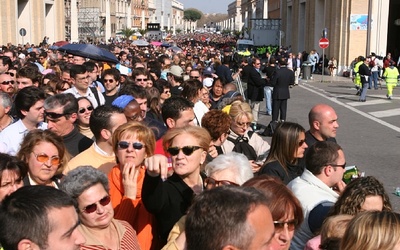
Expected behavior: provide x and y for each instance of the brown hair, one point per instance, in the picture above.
(216, 122)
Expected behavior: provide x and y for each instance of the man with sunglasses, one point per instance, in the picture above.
(318, 188)
(111, 84)
(29, 108)
(51, 216)
(7, 84)
(61, 113)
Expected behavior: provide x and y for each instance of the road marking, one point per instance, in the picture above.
(368, 102)
(333, 99)
(385, 113)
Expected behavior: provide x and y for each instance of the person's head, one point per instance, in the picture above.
(62, 86)
(362, 194)
(5, 104)
(78, 60)
(5, 64)
(12, 171)
(28, 76)
(92, 69)
(51, 217)
(192, 90)
(7, 84)
(89, 189)
(164, 87)
(332, 231)
(188, 147)
(325, 159)
(80, 77)
(195, 74)
(139, 93)
(372, 230)
(288, 144)
(177, 112)
(132, 143)
(217, 124)
(104, 121)
(111, 79)
(243, 221)
(241, 117)
(132, 111)
(285, 208)
(29, 104)
(228, 169)
(45, 153)
(217, 87)
(323, 122)
(61, 113)
(84, 111)
(256, 63)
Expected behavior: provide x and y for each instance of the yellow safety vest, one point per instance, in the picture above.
(391, 75)
(357, 79)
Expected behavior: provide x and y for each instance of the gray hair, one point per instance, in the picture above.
(5, 100)
(81, 178)
(237, 163)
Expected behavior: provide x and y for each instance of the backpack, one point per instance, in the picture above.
(270, 129)
(242, 146)
(96, 94)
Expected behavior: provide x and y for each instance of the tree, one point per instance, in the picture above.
(178, 30)
(192, 15)
(142, 31)
(127, 33)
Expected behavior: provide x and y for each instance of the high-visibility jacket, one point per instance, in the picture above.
(357, 79)
(391, 74)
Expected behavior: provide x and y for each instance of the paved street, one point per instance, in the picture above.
(369, 131)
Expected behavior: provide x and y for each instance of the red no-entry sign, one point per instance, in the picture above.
(323, 43)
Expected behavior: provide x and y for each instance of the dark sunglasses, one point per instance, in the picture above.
(135, 145)
(141, 79)
(194, 77)
(83, 109)
(10, 74)
(108, 80)
(336, 165)
(42, 158)
(279, 225)
(301, 142)
(53, 115)
(211, 183)
(7, 82)
(93, 207)
(187, 150)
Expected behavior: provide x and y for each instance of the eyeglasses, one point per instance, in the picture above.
(243, 124)
(187, 150)
(83, 109)
(167, 92)
(70, 57)
(10, 74)
(93, 207)
(280, 225)
(135, 145)
(337, 165)
(42, 157)
(108, 80)
(7, 82)
(194, 77)
(53, 115)
(301, 142)
(141, 79)
(211, 183)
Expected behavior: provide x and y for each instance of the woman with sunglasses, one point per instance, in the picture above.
(287, 146)
(84, 112)
(284, 206)
(132, 143)
(90, 190)
(168, 199)
(46, 156)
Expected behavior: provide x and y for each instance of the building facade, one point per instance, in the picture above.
(39, 18)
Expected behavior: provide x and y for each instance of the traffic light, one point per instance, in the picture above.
(325, 33)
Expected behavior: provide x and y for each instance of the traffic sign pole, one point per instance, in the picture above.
(323, 44)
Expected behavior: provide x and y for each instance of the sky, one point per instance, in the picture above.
(208, 6)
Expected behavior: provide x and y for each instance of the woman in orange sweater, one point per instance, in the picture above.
(132, 143)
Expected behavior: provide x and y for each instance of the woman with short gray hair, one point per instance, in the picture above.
(90, 190)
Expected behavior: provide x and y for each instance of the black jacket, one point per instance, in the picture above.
(281, 80)
(255, 86)
(275, 169)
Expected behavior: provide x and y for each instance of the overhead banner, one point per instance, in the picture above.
(358, 22)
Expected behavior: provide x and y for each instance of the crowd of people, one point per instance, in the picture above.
(161, 151)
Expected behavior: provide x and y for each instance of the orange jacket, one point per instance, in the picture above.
(132, 211)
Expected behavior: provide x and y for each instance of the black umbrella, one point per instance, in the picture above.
(89, 51)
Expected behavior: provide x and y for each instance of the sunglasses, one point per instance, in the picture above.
(83, 109)
(108, 80)
(53, 115)
(243, 124)
(141, 79)
(337, 165)
(42, 158)
(7, 82)
(187, 150)
(10, 74)
(211, 183)
(194, 77)
(166, 92)
(279, 225)
(93, 207)
(301, 142)
(135, 145)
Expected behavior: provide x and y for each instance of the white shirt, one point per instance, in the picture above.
(12, 136)
(89, 95)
